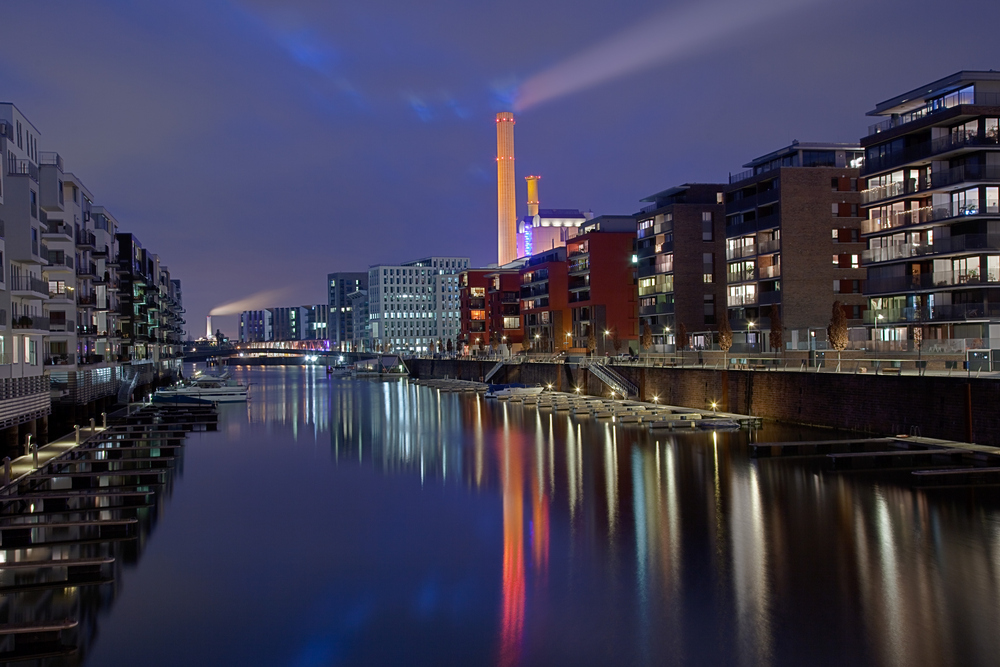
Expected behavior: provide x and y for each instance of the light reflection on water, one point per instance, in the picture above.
(616, 546)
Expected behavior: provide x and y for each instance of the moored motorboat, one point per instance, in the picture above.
(215, 388)
(505, 391)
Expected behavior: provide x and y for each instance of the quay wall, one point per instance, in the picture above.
(937, 406)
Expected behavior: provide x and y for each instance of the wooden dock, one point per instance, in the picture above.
(55, 538)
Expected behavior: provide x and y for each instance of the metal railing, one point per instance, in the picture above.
(23, 168)
(36, 322)
(613, 379)
(936, 106)
(940, 246)
(27, 283)
(62, 325)
(928, 281)
(927, 149)
(50, 158)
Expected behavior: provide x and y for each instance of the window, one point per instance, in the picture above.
(706, 226)
(855, 263)
(34, 205)
(708, 308)
(835, 210)
(836, 287)
(835, 233)
(708, 267)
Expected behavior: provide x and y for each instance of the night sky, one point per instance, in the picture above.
(260, 145)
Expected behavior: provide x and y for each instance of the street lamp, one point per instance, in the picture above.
(878, 316)
(606, 332)
(750, 325)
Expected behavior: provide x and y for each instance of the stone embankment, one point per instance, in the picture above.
(951, 408)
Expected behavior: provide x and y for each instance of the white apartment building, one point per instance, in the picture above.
(24, 391)
(413, 305)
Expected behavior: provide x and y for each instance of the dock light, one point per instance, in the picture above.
(655, 399)
(714, 406)
(549, 386)
(578, 390)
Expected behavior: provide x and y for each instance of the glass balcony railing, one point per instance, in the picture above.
(939, 247)
(936, 106)
(924, 215)
(928, 281)
(952, 312)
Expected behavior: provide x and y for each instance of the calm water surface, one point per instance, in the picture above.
(354, 522)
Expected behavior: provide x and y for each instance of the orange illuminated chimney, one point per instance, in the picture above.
(506, 198)
(532, 195)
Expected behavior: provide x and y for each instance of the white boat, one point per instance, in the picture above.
(218, 388)
(505, 391)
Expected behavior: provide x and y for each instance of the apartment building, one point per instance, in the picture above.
(601, 281)
(793, 230)
(545, 313)
(415, 304)
(24, 390)
(284, 323)
(681, 252)
(503, 306)
(931, 199)
(474, 322)
(256, 326)
(340, 322)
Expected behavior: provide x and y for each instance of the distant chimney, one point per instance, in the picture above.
(532, 195)
(208, 329)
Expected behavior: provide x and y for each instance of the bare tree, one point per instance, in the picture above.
(725, 338)
(836, 332)
(591, 340)
(681, 341)
(449, 346)
(776, 337)
(440, 346)
(494, 341)
(616, 340)
(647, 337)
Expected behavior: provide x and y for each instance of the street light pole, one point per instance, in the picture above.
(878, 316)
(750, 325)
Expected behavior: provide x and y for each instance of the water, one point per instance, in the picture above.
(350, 522)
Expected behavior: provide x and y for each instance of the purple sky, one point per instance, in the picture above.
(259, 145)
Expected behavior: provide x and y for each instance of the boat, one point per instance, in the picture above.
(216, 388)
(505, 391)
(180, 400)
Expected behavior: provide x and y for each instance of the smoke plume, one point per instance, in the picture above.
(666, 37)
(265, 299)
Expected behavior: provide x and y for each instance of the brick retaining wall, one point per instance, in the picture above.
(881, 404)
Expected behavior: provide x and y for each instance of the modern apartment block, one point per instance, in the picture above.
(932, 213)
(545, 313)
(601, 280)
(415, 304)
(473, 318)
(256, 326)
(793, 230)
(340, 320)
(681, 251)
(24, 390)
(503, 306)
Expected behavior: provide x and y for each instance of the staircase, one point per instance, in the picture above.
(493, 371)
(615, 381)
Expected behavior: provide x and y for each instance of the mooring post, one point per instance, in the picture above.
(92, 424)
(77, 429)
(34, 455)
(104, 420)
(6, 470)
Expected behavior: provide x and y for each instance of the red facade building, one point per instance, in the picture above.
(545, 312)
(602, 285)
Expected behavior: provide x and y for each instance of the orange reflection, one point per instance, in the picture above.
(540, 531)
(512, 622)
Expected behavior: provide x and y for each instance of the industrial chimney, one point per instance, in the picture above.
(506, 198)
(208, 329)
(532, 195)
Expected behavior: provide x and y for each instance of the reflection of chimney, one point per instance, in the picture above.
(506, 198)
(208, 330)
(532, 195)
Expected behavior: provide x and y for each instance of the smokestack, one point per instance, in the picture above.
(506, 198)
(532, 195)
(208, 329)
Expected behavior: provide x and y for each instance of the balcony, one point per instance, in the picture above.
(31, 322)
(86, 300)
(91, 359)
(928, 149)
(579, 266)
(86, 239)
(772, 271)
(67, 359)
(23, 285)
(928, 281)
(68, 326)
(925, 215)
(23, 168)
(739, 252)
(86, 330)
(970, 173)
(85, 271)
(770, 246)
(769, 297)
(57, 262)
(57, 228)
(743, 276)
(742, 300)
(952, 312)
(941, 246)
(934, 107)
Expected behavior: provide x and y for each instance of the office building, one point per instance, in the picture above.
(340, 319)
(414, 304)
